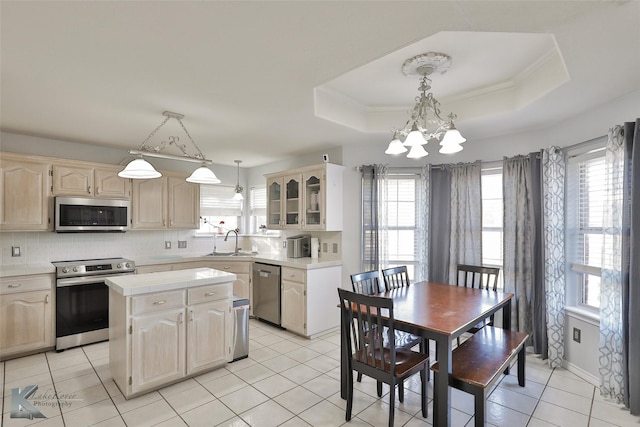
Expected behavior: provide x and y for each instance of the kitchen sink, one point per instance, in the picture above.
(229, 254)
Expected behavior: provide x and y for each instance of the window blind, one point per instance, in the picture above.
(217, 200)
(591, 197)
(258, 201)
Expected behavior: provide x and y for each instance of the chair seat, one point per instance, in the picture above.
(406, 360)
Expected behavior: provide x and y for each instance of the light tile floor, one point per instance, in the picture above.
(286, 381)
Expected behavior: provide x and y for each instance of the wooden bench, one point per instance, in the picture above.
(478, 363)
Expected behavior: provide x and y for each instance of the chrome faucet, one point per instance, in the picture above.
(227, 236)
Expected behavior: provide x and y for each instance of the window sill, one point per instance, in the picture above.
(584, 315)
(210, 235)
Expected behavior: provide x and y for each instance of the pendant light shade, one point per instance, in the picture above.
(414, 138)
(396, 147)
(203, 175)
(139, 169)
(417, 152)
(238, 194)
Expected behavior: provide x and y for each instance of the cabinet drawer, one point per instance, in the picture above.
(25, 284)
(209, 293)
(157, 301)
(293, 274)
(232, 267)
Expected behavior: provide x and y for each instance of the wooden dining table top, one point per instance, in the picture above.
(442, 308)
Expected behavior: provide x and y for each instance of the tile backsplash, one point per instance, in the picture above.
(44, 247)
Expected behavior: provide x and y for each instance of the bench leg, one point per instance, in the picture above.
(521, 359)
(481, 407)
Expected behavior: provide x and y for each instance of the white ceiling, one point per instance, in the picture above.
(246, 74)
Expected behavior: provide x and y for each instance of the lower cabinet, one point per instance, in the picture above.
(163, 337)
(308, 299)
(26, 315)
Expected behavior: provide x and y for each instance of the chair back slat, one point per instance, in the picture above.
(367, 283)
(479, 277)
(366, 344)
(395, 277)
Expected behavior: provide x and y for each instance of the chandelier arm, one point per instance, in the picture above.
(153, 132)
(199, 155)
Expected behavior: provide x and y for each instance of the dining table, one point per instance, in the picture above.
(442, 313)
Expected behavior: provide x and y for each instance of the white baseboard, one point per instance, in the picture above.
(581, 373)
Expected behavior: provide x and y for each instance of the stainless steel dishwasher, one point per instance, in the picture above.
(266, 292)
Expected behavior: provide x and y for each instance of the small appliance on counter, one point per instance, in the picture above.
(299, 246)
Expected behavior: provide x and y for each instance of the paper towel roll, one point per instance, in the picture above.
(315, 246)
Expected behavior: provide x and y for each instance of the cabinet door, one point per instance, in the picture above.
(184, 204)
(209, 341)
(109, 184)
(25, 322)
(292, 201)
(313, 200)
(274, 203)
(149, 203)
(25, 195)
(72, 181)
(294, 307)
(241, 285)
(157, 349)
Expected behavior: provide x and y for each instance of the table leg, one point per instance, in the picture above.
(441, 391)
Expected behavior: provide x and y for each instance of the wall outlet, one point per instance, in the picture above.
(182, 244)
(335, 248)
(576, 334)
(16, 251)
(167, 244)
(284, 243)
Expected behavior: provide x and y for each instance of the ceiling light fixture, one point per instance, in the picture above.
(141, 169)
(238, 195)
(425, 123)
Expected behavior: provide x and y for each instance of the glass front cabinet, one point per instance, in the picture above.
(308, 198)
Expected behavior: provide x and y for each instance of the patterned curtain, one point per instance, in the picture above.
(422, 232)
(466, 217)
(518, 240)
(611, 291)
(374, 214)
(553, 187)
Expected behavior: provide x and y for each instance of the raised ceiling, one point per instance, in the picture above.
(253, 78)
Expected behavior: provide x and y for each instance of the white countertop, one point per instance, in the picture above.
(26, 269)
(137, 284)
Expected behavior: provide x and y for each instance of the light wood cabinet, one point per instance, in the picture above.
(166, 202)
(294, 300)
(26, 315)
(308, 299)
(308, 198)
(162, 337)
(73, 179)
(24, 202)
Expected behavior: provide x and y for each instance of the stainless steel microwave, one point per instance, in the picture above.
(82, 214)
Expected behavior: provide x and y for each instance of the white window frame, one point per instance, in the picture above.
(494, 168)
(217, 204)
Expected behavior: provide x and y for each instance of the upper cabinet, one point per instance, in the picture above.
(24, 202)
(89, 181)
(166, 202)
(308, 198)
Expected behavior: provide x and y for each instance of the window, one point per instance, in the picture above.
(585, 209)
(401, 217)
(257, 208)
(492, 219)
(218, 210)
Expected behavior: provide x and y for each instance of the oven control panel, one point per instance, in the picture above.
(93, 267)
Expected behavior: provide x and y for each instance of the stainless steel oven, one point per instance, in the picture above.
(82, 299)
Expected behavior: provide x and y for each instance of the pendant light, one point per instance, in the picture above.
(238, 195)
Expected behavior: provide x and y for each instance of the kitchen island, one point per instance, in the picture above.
(167, 326)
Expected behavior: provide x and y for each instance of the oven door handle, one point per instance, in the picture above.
(73, 281)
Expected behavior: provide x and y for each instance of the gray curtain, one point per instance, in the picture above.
(518, 240)
(370, 251)
(465, 245)
(439, 223)
(631, 266)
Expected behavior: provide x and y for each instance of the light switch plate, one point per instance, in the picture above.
(16, 251)
(335, 248)
(167, 244)
(182, 244)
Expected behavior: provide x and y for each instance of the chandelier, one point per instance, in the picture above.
(139, 168)
(426, 123)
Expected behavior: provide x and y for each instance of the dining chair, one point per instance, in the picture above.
(363, 332)
(395, 277)
(478, 277)
(368, 283)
